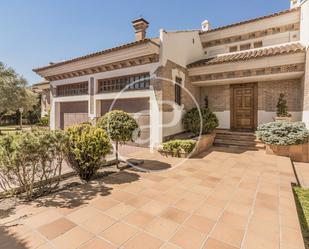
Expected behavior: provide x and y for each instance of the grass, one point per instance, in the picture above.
(302, 203)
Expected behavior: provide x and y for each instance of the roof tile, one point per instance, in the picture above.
(248, 55)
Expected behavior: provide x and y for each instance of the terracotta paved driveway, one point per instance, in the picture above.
(222, 201)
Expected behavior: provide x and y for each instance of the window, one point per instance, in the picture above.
(245, 46)
(178, 90)
(73, 89)
(140, 81)
(258, 44)
(233, 49)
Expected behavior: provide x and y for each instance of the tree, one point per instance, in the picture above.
(14, 92)
(120, 126)
(282, 107)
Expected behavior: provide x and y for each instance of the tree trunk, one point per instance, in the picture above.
(21, 120)
(117, 161)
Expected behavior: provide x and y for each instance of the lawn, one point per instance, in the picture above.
(302, 202)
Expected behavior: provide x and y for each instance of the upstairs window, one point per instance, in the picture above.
(178, 90)
(245, 46)
(258, 44)
(233, 49)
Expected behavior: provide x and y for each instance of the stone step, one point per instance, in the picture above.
(244, 140)
(257, 146)
(240, 133)
(236, 137)
(234, 142)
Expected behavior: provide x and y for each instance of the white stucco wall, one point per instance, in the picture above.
(224, 119)
(181, 47)
(265, 117)
(304, 23)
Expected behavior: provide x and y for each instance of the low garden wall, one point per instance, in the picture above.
(297, 153)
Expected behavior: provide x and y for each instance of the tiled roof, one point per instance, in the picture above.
(252, 20)
(250, 54)
(128, 45)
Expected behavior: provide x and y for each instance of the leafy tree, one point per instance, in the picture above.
(282, 107)
(14, 92)
(120, 126)
(88, 146)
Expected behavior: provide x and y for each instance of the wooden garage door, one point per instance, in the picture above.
(139, 109)
(72, 113)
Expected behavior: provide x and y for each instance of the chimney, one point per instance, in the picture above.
(140, 25)
(205, 25)
(294, 3)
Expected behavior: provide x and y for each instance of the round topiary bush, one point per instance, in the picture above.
(88, 146)
(120, 126)
(192, 121)
(283, 133)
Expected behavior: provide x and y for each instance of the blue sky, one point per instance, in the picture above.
(36, 32)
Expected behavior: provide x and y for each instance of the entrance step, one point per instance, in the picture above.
(243, 140)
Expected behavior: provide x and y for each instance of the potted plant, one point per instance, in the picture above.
(282, 109)
(285, 139)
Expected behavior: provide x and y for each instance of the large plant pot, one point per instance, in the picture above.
(203, 143)
(287, 119)
(298, 153)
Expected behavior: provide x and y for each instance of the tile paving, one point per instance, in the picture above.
(223, 200)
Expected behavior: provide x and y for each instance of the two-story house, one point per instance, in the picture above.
(240, 69)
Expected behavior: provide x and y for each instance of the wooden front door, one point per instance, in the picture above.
(244, 106)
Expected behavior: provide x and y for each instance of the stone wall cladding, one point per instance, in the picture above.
(218, 97)
(305, 85)
(165, 89)
(268, 94)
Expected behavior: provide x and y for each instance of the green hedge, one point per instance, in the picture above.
(283, 133)
(32, 161)
(179, 146)
(192, 121)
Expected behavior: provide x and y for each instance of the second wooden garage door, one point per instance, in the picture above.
(72, 113)
(139, 108)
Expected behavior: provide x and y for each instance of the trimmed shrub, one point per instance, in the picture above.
(31, 162)
(282, 107)
(120, 126)
(88, 146)
(179, 146)
(283, 133)
(192, 121)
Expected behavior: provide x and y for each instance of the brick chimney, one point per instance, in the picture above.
(294, 3)
(140, 25)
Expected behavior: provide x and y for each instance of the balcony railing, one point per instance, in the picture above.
(73, 89)
(129, 83)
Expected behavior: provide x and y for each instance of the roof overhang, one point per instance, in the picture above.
(92, 62)
(260, 69)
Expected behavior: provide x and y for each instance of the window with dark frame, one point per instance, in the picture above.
(140, 81)
(178, 90)
(80, 88)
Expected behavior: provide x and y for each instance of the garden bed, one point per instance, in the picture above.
(302, 204)
(201, 144)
